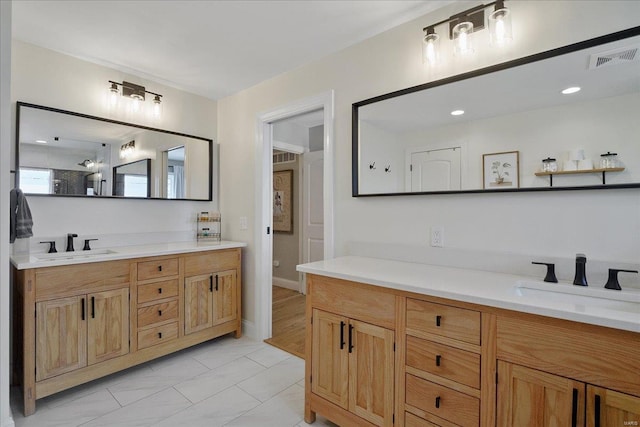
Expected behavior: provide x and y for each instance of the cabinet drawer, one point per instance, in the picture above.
(158, 313)
(212, 261)
(438, 319)
(157, 335)
(448, 362)
(411, 420)
(157, 290)
(443, 402)
(157, 268)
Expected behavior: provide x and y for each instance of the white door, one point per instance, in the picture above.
(435, 170)
(313, 208)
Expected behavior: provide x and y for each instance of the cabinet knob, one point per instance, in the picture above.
(159, 268)
(160, 335)
(159, 312)
(159, 290)
(438, 402)
(438, 320)
(438, 359)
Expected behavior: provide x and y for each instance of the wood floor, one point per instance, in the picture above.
(288, 328)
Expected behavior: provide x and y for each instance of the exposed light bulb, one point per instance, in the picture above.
(500, 25)
(461, 34)
(135, 104)
(430, 48)
(157, 107)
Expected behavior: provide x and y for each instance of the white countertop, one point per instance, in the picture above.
(22, 262)
(490, 289)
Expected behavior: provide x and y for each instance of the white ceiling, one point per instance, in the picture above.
(212, 48)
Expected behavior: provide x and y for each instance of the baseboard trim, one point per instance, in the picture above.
(286, 283)
(249, 329)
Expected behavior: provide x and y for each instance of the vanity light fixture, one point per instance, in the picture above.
(570, 90)
(463, 24)
(136, 94)
(127, 149)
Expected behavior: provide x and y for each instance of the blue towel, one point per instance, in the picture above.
(21, 223)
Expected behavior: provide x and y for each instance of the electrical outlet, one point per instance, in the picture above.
(437, 236)
(244, 224)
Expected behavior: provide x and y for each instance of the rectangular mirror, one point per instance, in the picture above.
(491, 129)
(62, 153)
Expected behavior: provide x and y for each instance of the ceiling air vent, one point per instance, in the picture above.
(613, 57)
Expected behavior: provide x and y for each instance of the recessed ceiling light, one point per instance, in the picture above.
(571, 90)
(41, 141)
(457, 112)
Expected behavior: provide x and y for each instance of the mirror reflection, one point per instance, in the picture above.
(132, 179)
(70, 154)
(493, 131)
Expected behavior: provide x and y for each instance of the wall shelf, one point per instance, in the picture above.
(578, 172)
(208, 226)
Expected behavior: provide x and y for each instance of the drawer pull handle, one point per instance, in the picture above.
(160, 335)
(210, 283)
(341, 334)
(350, 338)
(159, 290)
(159, 312)
(438, 320)
(438, 402)
(438, 359)
(216, 283)
(93, 307)
(159, 268)
(82, 305)
(574, 408)
(597, 411)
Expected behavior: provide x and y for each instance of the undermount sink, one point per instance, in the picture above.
(580, 297)
(72, 255)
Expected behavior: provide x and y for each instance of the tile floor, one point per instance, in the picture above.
(224, 382)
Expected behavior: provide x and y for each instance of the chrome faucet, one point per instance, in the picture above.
(70, 237)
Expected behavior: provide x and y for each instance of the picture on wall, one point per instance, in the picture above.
(283, 201)
(501, 170)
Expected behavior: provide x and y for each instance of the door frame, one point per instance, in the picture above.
(264, 190)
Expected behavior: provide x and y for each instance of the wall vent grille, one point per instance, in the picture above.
(283, 157)
(613, 57)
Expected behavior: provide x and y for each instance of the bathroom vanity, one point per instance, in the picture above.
(396, 343)
(81, 317)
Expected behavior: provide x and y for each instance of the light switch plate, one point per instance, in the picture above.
(244, 224)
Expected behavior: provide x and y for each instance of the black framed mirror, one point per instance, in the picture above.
(63, 153)
(489, 130)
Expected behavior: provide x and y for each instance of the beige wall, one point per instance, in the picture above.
(554, 224)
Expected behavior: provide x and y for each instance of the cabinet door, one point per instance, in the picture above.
(61, 336)
(527, 397)
(225, 307)
(610, 408)
(198, 303)
(329, 358)
(108, 325)
(371, 373)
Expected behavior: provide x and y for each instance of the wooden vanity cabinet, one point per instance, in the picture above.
(350, 353)
(460, 364)
(80, 322)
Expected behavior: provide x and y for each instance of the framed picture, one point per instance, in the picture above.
(283, 201)
(501, 170)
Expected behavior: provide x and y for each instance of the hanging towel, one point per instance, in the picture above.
(21, 223)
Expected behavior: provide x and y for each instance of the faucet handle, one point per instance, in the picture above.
(52, 246)
(612, 282)
(86, 244)
(551, 271)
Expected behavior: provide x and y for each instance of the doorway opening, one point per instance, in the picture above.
(268, 228)
(298, 226)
